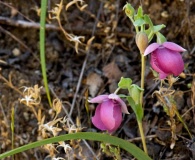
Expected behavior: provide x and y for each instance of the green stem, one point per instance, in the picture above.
(142, 77)
(12, 126)
(129, 147)
(115, 92)
(141, 101)
(142, 136)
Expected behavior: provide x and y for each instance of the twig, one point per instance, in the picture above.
(188, 111)
(139, 138)
(77, 30)
(25, 24)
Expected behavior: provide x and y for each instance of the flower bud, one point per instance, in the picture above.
(129, 10)
(142, 41)
(108, 114)
(166, 58)
(135, 93)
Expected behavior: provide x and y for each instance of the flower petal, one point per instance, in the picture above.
(152, 47)
(111, 115)
(154, 62)
(98, 99)
(96, 119)
(120, 101)
(117, 116)
(173, 46)
(155, 65)
(169, 61)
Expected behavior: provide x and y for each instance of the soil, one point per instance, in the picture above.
(74, 77)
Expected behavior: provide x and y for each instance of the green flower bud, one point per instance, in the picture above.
(135, 93)
(129, 10)
(141, 41)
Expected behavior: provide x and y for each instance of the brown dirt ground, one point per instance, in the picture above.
(112, 49)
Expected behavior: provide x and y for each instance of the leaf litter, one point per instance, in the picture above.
(112, 38)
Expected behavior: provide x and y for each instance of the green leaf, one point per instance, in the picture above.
(124, 144)
(42, 48)
(160, 38)
(124, 83)
(150, 30)
(148, 21)
(157, 28)
(140, 12)
(122, 95)
(138, 22)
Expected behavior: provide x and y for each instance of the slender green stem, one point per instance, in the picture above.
(115, 92)
(142, 136)
(142, 77)
(129, 147)
(42, 48)
(141, 101)
(12, 126)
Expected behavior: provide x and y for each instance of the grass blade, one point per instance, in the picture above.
(129, 147)
(42, 48)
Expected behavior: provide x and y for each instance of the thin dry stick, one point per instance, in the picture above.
(9, 83)
(139, 138)
(84, 63)
(35, 25)
(191, 108)
(25, 24)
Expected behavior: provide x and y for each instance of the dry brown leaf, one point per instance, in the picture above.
(112, 72)
(94, 81)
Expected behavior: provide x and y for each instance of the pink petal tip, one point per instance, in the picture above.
(152, 47)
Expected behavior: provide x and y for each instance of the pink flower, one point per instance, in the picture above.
(108, 114)
(165, 58)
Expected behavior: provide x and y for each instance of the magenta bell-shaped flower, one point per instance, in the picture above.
(108, 114)
(165, 58)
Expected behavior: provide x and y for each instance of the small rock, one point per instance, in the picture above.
(16, 52)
